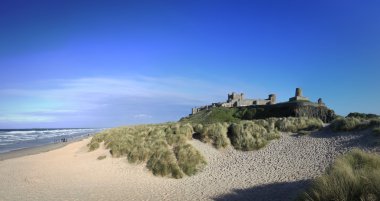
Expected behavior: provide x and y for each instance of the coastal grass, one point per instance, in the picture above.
(301, 133)
(354, 123)
(345, 124)
(102, 157)
(247, 136)
(362, 115)
(214, 115)
(215, 133)
(353, 176)
(164, 147)
(250, 135)
(189, 159)
(163, 163)
(376, 131)
(156, 145)
(296, 124)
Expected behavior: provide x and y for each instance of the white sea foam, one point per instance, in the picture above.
(21, 132)
(17, 138)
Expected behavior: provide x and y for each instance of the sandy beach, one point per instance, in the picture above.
(277, 172)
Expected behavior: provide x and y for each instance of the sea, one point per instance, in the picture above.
(15, 139)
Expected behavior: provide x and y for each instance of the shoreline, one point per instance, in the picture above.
(38, 149)
(278, 171)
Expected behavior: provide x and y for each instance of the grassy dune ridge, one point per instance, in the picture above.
(356, 122)
(161, 146)
(353, 176)
(165, 149)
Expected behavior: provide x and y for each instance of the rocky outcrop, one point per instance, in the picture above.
(289, 109)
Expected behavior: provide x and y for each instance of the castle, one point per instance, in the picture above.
(237, 100)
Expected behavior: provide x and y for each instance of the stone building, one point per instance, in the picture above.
(238, 100)
(298, 96)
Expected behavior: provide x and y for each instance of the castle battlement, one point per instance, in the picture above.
(238, 100)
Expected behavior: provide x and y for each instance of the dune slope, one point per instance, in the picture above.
(277, 172)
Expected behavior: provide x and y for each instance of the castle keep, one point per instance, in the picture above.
(238, 100)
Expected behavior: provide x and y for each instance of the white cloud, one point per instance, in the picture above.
(103, 97)
(25, 118)
(142, 116)
(89, 88)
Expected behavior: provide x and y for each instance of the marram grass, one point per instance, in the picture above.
(164, 147)
(189, 159)
(215, 133)
(353, 177)
(160, 146)
(354, 123)
(247, 136)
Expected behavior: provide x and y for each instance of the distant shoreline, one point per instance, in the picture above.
(38, 149)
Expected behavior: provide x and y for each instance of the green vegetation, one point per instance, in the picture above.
(248, 135)
(354, 176)
(374, 122)
(251, 135)
(294, 125)
(345, 124)
(189, 159)
(362, 115)
(163, 162)
(214, 115)
(304, 132)
(216, 134)
(161, 146)
(102, 157)
(376, 131)
(164, 148)
(355, 123)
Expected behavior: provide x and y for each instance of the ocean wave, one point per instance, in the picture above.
(40, 136)
(20, 132)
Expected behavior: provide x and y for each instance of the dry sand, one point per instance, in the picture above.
(277, 172)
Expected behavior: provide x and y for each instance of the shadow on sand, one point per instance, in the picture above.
(269, 192)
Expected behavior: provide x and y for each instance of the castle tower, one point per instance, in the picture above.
(298, 92)
(272, 99)
(298, 96)
(320, 102)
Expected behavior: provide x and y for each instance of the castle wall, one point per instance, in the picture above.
(262, 102)
(237, 100)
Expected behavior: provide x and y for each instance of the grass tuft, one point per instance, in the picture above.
(189, 159)
(216, 134)
(376, 131)
(153, 144)
(294, 125)
(304, 132)
(353, 123)
(102, 157)
(163, 163)
(345, 124)
(247, 136)
(98, 138)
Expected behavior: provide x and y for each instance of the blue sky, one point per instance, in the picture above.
(112, 63)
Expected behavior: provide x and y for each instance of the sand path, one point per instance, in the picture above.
(276, 172)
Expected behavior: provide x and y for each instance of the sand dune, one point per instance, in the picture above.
(277, 172)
